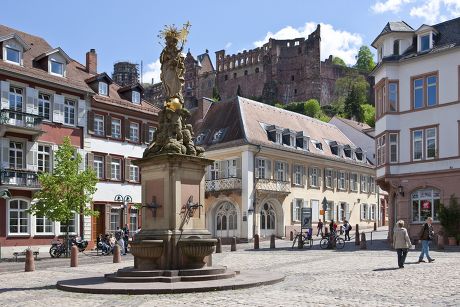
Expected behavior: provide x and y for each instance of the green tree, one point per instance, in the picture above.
(352, 106)
(338, 61)
(365, 59)
(312, 108)
(449, 216)
(67, 190)
(215, 94)
(368, 114)
(297, 107)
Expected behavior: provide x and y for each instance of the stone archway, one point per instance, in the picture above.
(269, 218)
(224, 219)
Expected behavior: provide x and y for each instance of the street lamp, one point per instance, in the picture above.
(125, 200)
(5, 194)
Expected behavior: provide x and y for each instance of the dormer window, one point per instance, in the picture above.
(317, 144)
(103, 89)
(396, 47)
(56, 68)
(275, 134)
(13, 55)
(289, 137)
(136, 97)
(219, 135)
(348, 151)
(425, 42)
(279, 138)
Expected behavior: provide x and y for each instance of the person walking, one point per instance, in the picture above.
(401, 242)
(347, 228)
(426, 235)
(126, 237)
(320, 228)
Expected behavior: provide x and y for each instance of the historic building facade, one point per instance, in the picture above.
(417, 95)
(269, 163)
(280, 71)
(46, 96)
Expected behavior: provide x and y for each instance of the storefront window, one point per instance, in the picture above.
(425, 203)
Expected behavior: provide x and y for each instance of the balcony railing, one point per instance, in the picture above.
(19, 178)
(223, 184)
(273, 185)
(20, 119)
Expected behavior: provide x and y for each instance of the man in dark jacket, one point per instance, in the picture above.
(426, 235)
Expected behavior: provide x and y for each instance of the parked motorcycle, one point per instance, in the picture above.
(58, 248)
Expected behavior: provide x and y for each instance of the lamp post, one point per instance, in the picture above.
(125, 200)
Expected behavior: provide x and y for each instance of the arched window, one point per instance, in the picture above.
(18, 217)
(267, 217)
(227, 217)
(425, 203)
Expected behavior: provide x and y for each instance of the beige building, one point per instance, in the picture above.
(270, 163)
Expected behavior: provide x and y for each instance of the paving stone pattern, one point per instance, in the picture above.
(350, 277)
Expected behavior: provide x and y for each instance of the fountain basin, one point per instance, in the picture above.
(152, 249)
(195, 250)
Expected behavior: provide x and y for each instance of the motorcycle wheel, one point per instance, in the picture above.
(53, 252)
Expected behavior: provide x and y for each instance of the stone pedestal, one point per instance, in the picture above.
(173, 234)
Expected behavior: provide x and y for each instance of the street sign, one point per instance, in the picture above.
(306, 215)
(324, 202)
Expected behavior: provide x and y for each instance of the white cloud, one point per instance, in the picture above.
(389, 6)
(152, 71)
(336, 42)
(228, 45)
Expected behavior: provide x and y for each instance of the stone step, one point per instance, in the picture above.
(208, 277)
(168, 279)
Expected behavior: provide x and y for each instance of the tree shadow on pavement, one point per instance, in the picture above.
(28, 289)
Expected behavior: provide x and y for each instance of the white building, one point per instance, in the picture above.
(418, 118)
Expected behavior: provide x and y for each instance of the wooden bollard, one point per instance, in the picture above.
(218, 246)
(272, 241)
(256, 241)
(233, 245)
(116, 254)
(363, 244)
(74, 256)
(291, 236)
(357, 234)
(375, 226)
(30, 261)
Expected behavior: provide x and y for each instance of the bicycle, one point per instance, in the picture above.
(326, 241)
(305, 239)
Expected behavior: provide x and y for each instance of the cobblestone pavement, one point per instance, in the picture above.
(350, 277)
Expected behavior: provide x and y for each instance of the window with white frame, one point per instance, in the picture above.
(393, 97)
(134, 132)
(297, 209)
(98, 164)
(430, 142)
(431, 90)
(329, 214)
(314, 182)
(425, 42)
(364, 183)
(69, 112)
(43, 225)
(215, 170)
(417, 145)
(372, 208)
(114, 219)
(134, 173)
(115, 169)
(44, 158)
(16, 155)
(261, 165)
(136, 97)
(18, 217)
(232, 168)
(425, 203)
(418, 93)
(280, 171)
(328, 177)
(381, 143)
(103, 89)
(72, 225)
(297, 174)
(57, 68)
(44, 105)
(279, 138)
(354, 182)
(99, 125)
(364, 212)
(372, 184)
(13, 55)
(394, 147)
(116, 128)
(341, 180)
(15, 101)
(133, 220)
(152, 131)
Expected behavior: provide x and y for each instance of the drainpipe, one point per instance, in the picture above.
(254, 198)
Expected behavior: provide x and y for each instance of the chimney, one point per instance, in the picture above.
(91, 61)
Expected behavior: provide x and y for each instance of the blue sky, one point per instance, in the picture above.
(127, 30)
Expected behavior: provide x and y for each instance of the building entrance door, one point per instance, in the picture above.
(226, 220)
(267, 220)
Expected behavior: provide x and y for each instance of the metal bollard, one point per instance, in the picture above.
(272, 241)
(375, 226)
(74, 256)
(218, 246)
(116, 254)
(30, 261)
(291, 236)
(233, 246)
(256, 241)
(363, 244)
(357, 235)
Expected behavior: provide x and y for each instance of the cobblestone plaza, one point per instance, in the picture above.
(350, 277)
